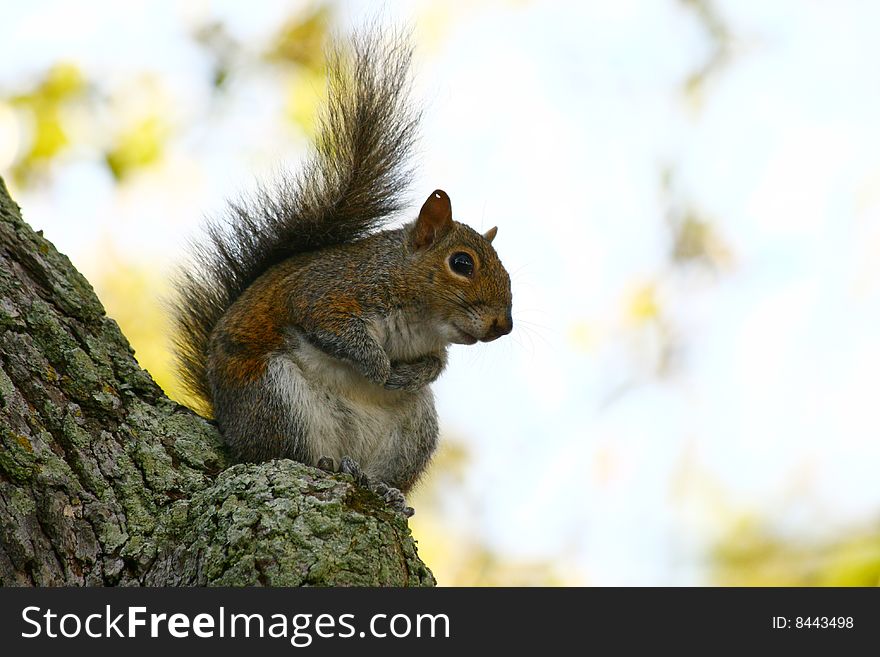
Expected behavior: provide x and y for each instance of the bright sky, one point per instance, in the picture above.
(553, 120)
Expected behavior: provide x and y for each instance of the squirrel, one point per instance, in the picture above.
(308, 330)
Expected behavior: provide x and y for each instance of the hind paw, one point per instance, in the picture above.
(393, 498)
(349, 466)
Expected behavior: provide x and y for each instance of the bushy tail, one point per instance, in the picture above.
(351, 183)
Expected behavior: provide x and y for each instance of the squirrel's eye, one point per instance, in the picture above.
(462, 263)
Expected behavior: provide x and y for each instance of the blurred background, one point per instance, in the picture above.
(688, 201)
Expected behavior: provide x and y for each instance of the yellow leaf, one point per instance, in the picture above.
(643, 306)
(138, 146)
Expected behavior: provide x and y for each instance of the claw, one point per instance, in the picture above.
(349, 466)
(393, 498)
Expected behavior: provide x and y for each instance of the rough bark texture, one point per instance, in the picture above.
(105, 481)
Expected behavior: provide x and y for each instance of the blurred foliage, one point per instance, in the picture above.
(583, 336)
(694, 237)
(457, 561)
(695, 240)
(132, 295)
(455, 555)
(137, 146)
(44, 112)
(301, 39)
(221, 47)
(295, 52)
(643, 306)
(753, 554)
(298, 49)
(721, 42)
(65, 111)
(301, 100)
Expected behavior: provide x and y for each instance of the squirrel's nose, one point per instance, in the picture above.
(499, 328)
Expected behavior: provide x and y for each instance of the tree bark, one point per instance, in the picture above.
(105, 481)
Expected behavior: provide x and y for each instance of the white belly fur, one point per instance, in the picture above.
(343, 413)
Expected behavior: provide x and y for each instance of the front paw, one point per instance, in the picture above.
(377, 369)
(415, 375)
(402, 378)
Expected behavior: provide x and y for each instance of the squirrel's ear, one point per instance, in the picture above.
(491, 233)
(435, 220)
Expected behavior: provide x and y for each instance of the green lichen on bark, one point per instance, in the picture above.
(104, 480)
(283, 524)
